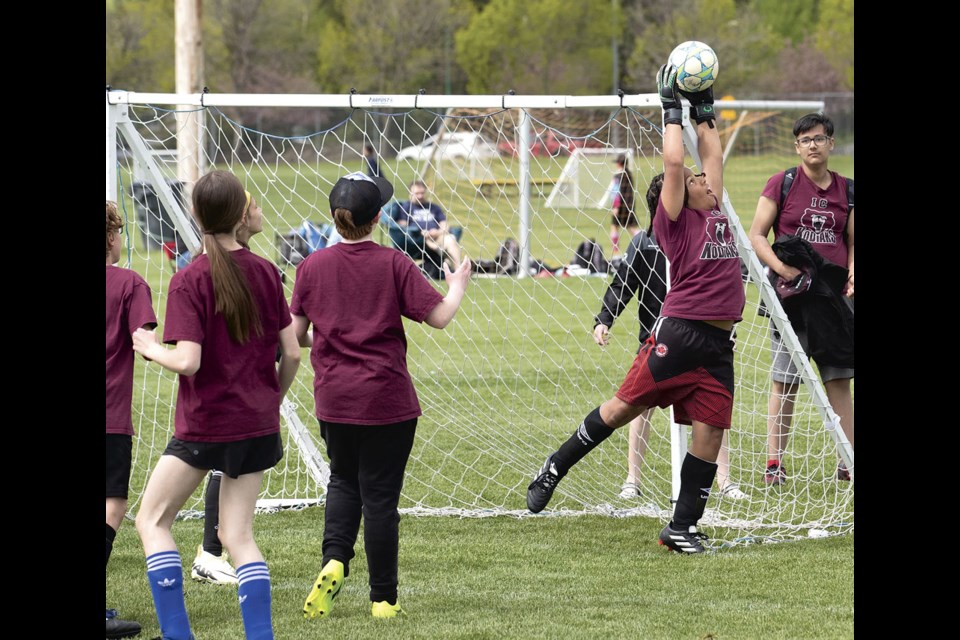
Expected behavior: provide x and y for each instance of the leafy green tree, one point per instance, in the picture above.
(743, 42)
(835, 36)
(795, 21)
(538, 46)
(254, 46)
(140, 45)
(400, 46)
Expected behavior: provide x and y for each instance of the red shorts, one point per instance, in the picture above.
(687, 364)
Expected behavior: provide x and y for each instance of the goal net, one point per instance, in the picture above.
(584, 181)
(517, 370)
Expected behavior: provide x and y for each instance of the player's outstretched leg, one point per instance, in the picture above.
(591, 432)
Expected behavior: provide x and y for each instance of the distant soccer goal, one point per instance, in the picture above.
(517, 370)
(584, 181)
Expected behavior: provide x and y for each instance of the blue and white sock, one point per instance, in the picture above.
(165, 574)
(254, 594)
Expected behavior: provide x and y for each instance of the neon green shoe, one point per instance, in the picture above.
(320, 600)
(384, 609)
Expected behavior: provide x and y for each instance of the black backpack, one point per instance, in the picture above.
(589, 255)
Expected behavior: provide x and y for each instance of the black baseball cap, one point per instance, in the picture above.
(361, 195)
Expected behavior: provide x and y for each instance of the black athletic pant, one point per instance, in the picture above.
(367, 464)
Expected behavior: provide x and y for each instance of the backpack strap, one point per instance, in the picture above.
(788, 177)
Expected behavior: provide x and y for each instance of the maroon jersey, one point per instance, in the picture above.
(355, 295)
(705, 280)
(817, 215)
(129, 307)
(235, 393)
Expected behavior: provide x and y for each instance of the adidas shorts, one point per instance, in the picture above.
(119, 455)
(234, 459)
(687, 364)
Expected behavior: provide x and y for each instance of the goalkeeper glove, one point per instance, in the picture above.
(669, 98)
(701, 105)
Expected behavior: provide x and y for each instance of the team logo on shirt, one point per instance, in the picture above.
(661, 350)
(720, 244)
(816, 227)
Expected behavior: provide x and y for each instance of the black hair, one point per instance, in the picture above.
(653, 197)
(810, 121)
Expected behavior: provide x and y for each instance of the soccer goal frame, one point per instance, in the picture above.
(568, 191)
(461, 470)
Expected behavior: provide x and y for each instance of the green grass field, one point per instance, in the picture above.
(530, 578)
(519, 354)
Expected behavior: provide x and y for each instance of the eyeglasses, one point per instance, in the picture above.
(820, 140)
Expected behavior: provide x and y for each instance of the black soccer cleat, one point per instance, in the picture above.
(682, 541)
(541, 489)
(117, 628)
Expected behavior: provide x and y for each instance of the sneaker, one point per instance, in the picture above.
(541, 489)
(842, 472)
(213, 569)
(328, 585)
(384, 609)
(117, 628)
(775, 474)
(733, 492)
(682, 541)
(629, 490)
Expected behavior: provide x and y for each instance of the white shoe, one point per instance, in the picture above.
(629, 490)
(733, 492)
(213, 569)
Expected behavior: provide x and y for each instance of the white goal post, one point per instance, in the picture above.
(584, 181)
(517, 370)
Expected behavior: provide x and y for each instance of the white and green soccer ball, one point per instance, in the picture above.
(697, 65)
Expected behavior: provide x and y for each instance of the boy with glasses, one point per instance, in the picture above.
(818, 208)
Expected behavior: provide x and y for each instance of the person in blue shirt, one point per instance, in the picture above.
(417, 212)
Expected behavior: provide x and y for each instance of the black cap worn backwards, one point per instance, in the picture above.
(361, 195)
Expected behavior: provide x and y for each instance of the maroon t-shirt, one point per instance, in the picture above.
(817, 215)
(705, 280)
(355, 295)
(129, 307)
(235, 394)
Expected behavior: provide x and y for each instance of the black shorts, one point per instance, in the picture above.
(687, 364)
(234, 459)
(119, 455)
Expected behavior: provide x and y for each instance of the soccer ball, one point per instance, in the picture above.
(697, 65)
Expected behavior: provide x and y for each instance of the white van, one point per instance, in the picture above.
(455, 144)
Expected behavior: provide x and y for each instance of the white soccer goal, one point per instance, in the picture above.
(517, 370)
(584, 181)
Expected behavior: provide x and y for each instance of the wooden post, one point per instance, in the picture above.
(189, 78)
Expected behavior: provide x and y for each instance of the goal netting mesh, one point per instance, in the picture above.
(517, 370)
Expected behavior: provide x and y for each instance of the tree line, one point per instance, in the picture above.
(767, 48)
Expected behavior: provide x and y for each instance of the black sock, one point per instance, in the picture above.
(111, 536)
(591, 432)
(696, 480)
(211, 516)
